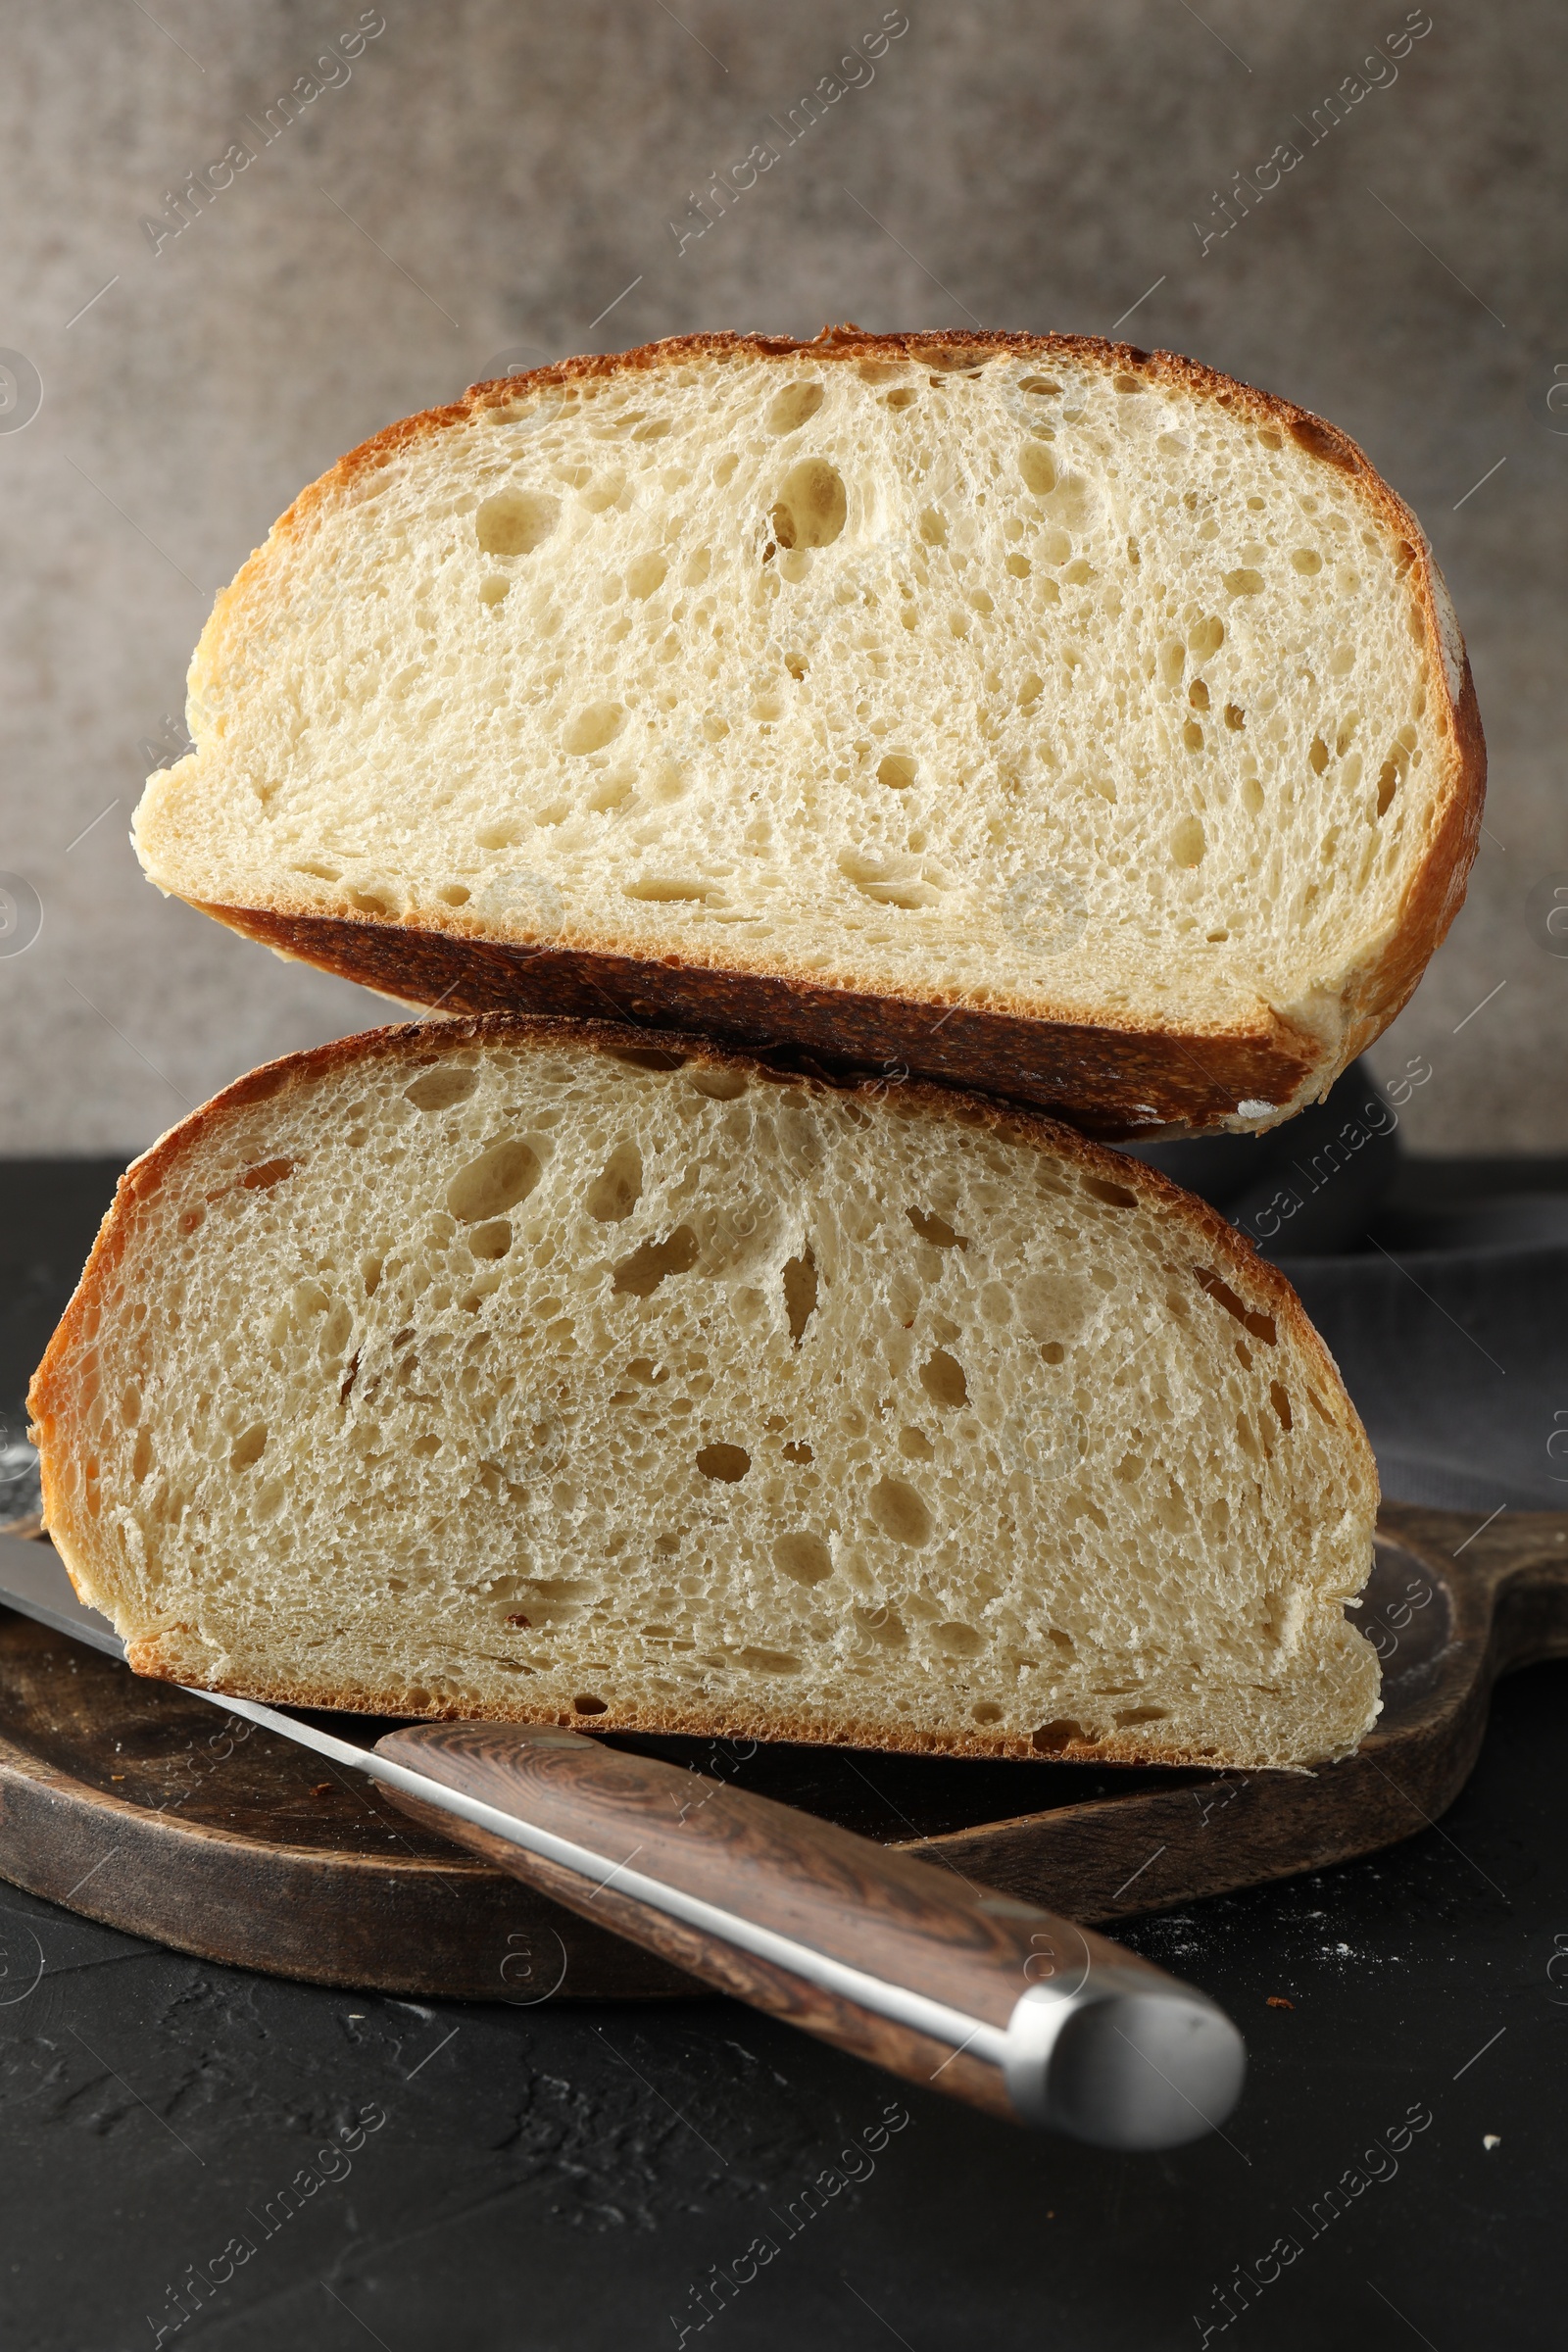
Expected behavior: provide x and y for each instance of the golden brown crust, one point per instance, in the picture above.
(1218, 1252)
(1114, 1078)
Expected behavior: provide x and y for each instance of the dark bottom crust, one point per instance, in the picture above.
(1111, 1083)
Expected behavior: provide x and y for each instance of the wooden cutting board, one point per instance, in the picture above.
(155, 1813)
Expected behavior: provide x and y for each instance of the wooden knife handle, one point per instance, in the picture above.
(898, 1961)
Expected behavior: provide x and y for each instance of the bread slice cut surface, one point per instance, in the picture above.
(1029, 711)
(513, 1368)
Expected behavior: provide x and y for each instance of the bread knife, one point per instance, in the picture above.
(974, 1994)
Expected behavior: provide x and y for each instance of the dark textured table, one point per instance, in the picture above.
(192, 2151)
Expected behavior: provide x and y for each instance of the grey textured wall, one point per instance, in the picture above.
(494, 176)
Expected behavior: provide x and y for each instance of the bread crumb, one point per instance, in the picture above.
(842, 1471)
(1016, 682)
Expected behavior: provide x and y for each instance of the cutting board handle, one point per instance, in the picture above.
(974, 1994)
(1531, 1588)
(1521, 1560)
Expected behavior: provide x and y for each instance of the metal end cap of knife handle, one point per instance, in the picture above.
(1123, 2067)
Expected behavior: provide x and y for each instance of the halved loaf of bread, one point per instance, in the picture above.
(1034, 713)
(515, 1368)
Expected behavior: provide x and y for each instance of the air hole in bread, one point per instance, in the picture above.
(1235, 717)
(442, 1085)
(890, 879)
(1115, 1195)
(1189, 841)
(934, 527)
(1281, 1403)
(1387, 786)
(720, 1086)
(640, 1275)
(490, 1241)
(812, 504)
(644, 575)
(791, 406)
(900, 1512)
(897, 769)
(1317, 754)
(612, 792)
(799, 1293)
(592, 727)
(616, 1192)
(1053, 1738)
(487, 1187)
(513, 522)
(936, 1230)
(647, 1058)
(587, 1702)
(494, 590)
(262, 1179)
(802, 1557)
(1261, 1326)
(249, 1447)
(726, 1463)
(1038, 468)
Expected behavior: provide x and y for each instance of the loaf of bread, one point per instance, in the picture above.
(1033, 713)
(523, 1368)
